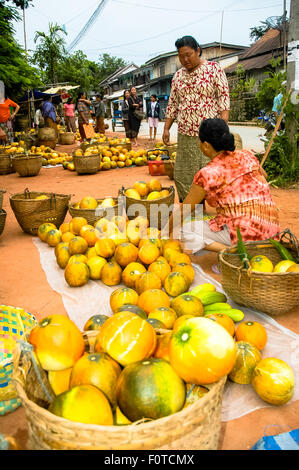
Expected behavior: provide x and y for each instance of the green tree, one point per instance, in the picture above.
(78, 70)
(108, 64)
(272, 22)
(50, 51)
(271, 86)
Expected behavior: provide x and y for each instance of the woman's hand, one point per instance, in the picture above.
(166, 136)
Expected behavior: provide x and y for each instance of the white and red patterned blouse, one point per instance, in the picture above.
(198, 95)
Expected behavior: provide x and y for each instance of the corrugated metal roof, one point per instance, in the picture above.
(258, 62)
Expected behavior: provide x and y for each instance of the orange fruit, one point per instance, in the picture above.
(59, 380)
(43, 230)
(194, 393)
(127, 338)
(154, 241)
(154, 185)
(161, 350)
(165, 314)
(160, 268)
(88, 202)
(187, 304)
(91, 251)
(91, 236)
(180, 320)
(84, 228)
(78, 259)
(95, 265)
(173, 244)
(252, 332)
(59, 246)
(126, 253)
(64, 228)
(223, 320)
(141, 187)
(76, 274)
(201, 351)
(78, 246)
(63, 257)
(179, 258)
(57, 341)
(76, 224)
(83, 404)
(147, 280)
(131, 273)
(176, 283)
(105, 247)
(53, 237)
(186, 269)
(67, 236)
(122, 296)
(111, 273)
(148, 253)
(151, 299)
(247, 358)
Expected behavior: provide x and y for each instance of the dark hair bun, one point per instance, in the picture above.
(216, 132)
(228, 142)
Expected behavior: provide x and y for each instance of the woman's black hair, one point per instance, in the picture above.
(187, 41)
(125, 93)
(154, 96)
(216, 132)
(70, 99)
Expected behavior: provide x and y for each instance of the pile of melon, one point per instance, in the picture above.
(147, 191)
(114, 157)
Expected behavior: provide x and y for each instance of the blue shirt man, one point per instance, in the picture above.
(48, 110)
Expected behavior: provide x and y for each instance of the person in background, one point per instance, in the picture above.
(277, 105)
(69, 115)
(125, 113)
(234, 183)
(38, 118)
(100, 115)
(199, 90)
(134, 122)
(153, 114)
(6, 116)
(83, 108)
(49, 115)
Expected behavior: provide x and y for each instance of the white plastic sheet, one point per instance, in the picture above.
(93, 298)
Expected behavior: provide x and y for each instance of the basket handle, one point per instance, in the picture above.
(27, 193)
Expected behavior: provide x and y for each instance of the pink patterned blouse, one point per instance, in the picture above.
(240, 193)
(198, 95)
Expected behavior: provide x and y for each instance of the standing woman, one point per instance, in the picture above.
(125, 113)
(134, 121)
(69, 113)
(6, 116)
(83, 108)
(153, 114)
(199, 90)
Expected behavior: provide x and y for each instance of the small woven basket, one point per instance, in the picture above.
(271, 293)
(2, 220)
(66, 138)
(27, 165)
(2, 191)
(196, 427)
(31, 213)
(6, 164)
(169, 168)
(93, 215)
(87, 165)
(157, 211)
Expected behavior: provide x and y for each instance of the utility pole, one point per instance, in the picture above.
(284, 34)
(293, 71)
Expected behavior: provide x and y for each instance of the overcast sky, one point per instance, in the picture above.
(138, 30)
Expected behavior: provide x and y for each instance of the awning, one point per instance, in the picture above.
(119, 93)
(56, 89)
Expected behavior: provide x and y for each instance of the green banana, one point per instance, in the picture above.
(217, 307)
(235, 314)
(207, 287)
(208, 298)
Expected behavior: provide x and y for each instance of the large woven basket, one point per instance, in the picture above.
(27, 165)
(31, 213)
(156, 211)
(126, 145)
(66, 138)
(2, 191)
(271, 293)
(6, 164)
(93, 215)
(2, 220)
(88, 165)
(196, 427)
(85, 145)
(169, 168)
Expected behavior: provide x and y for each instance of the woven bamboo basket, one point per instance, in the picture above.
(171, 148)
(238, 141)
(93, 215)
(196, 427)
(6, 165)
(88, 165)
(27, 165)
(48, 143)
(67, 138)
(2, 220)
(31, 213)
(2, 191)
(127, 146)
(271, 293)
(156, 211)
(86, 145)
(169, 168)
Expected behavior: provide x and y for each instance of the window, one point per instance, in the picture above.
(162, 70)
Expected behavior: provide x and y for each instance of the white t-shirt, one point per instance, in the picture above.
(153, 106)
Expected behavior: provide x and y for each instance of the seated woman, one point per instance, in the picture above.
(235, 185)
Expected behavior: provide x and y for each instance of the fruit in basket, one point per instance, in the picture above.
(42, 196)
(274, 381)
(223, 320)
(111, 274)
(63, 257)
(148, 253)
(153, 298)
(132, 193)
(283, 266)
(105, 247)
(201, 351)
(95, 265)
(119, 418)
(153, 195)
(261, 263)
(187, 304)
(122, 296)
(131, 273)
(147, 280)
(165, 314)
(43, 229)
(161, 351)
(97, 369)
(176, 283)
(186, 269)
(126, 253)
(76, 274)
(293, 269)
(142, 188)
(150, 389)
(59, 380)
(194, 393)
(76, 224)
(164, 193)
(247, 358)
(154, 185)
(83, 404)
(160, 268)
(88, 202)
(127, 338)
(78, 259)
(53, 237)
(252, 332)
(57, 341)
(95, 322)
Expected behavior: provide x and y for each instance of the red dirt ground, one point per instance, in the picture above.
(23, 282)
